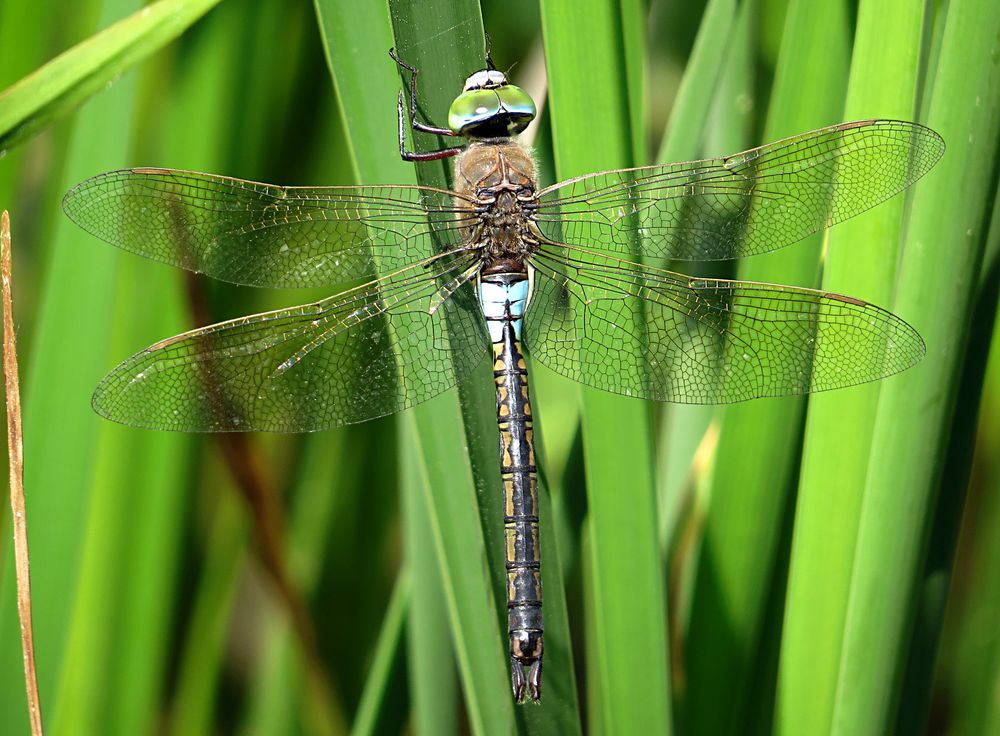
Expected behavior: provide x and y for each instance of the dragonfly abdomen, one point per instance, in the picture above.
(503, 296)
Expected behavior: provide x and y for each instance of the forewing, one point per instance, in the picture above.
(265, 235)
(745, 204)
(365, 353)
(654, 334)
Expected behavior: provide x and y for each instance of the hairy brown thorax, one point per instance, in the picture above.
(500, 176)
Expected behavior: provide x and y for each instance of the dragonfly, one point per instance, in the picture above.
(501, 267)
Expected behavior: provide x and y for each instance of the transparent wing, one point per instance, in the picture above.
(745, 204)
(261, 234)
(365, 353)
(637, 331)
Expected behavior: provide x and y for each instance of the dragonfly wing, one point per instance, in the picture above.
(654, 334)
(365, 353)
(745, 204)
(265, 235)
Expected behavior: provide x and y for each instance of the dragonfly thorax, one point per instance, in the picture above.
(496, 182)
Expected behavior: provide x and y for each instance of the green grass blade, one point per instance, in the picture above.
(977, 656)
(212, 86)
(684, 427)
(200, 662)
(689, 116)
(61, 432)
(915, 410)
(942, 565)
(709, 675)
(629, 643)
(64, 83)
(968, 673)
(954, 577)
(433, 681)
(479, 645)
(281, 699)
(25, 44)
(116, 641)
(382, 687)
(367, 88)
(861, 262)
(154, 517)
(558, 711)
(755, 465)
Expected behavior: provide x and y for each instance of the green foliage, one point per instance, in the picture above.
(784, 566)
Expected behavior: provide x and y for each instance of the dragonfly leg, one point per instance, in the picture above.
(414, 123)
(420, 155)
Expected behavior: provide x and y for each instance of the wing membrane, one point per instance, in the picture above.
(261, 234)
(745, 204)
(365, 353)
(703, 341)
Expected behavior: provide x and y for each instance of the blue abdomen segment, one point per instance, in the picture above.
(503, 298)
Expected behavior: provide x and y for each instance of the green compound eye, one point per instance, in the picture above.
(473, 107)
(494, 112)
(518, 105)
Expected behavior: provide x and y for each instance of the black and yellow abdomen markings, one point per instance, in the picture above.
(522, 545)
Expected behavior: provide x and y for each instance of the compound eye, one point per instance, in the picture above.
(472, 107)
(518, 105)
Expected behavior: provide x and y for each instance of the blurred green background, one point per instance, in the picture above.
(793, 566)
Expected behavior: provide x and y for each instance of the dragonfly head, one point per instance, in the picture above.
(490, 107)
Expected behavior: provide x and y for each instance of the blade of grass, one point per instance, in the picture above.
(200, 662)
(915, 699)
(684, 138)
(278, 703)
(629, 644)
(72, 330)
(947, 233)
(757, 452)
(963, 651)
(329, 491)
(968, 674)
(150, 532)
(386, 665)
(134, 539)
(25, 44)
(15, 454)
(64, 83)
(297, 133)
(433, 681)
(861, 262)
(453, 505)
(556, 408)
(690, 113)
(558, 711)
(438, 426)
(709, 675)
(217, 83)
